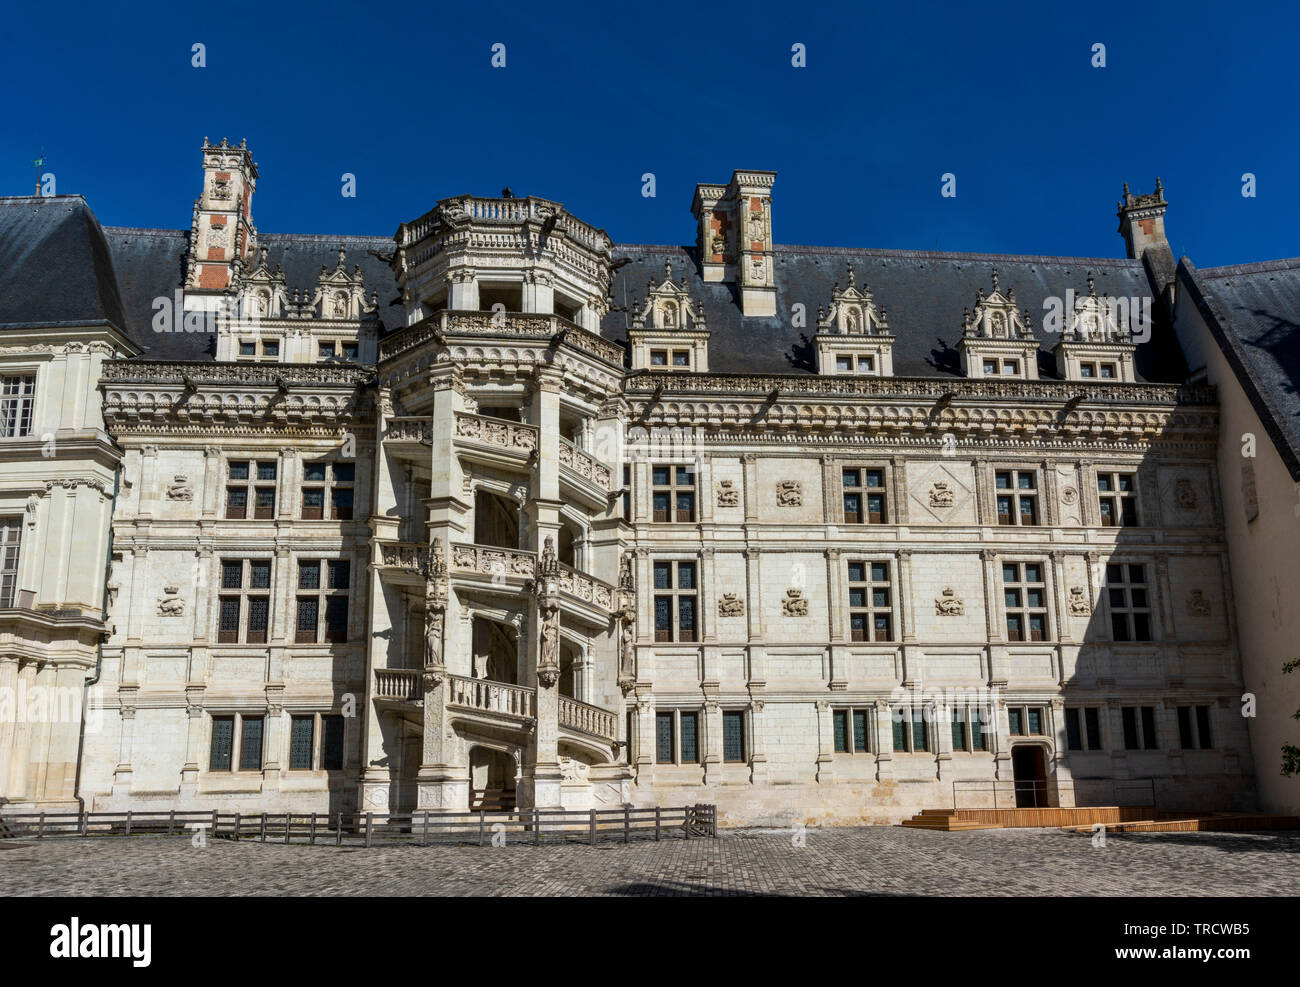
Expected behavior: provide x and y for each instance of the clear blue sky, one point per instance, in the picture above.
(593, 96)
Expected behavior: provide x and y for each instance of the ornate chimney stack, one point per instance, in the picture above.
(734, 237)
(1142, 224)
(223, 240)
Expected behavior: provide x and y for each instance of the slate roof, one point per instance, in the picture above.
(115, 273)
(151, 264)
(55, 265)
(1253, 313)
(923, 291)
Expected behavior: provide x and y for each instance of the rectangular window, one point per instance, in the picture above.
(1011, 368)
(323, 591)
(664, 738)
(1017, 496)
(1108, 371)
(327, 483)
(17, 401)
(1026, 721)
(244, 615)
(991, 368)
(864, 496)
(673, 493)
(1117, 494)
(674, 602)
(681, 358)
(1082, 728)
(733, 735)
(850, 731)
(1130, 606)
(968, 728)
(658, 358)
(250, 482)
(250, 743)
(627, 493)
(1139, 724)
(11, 532)
(690, 738)
(870, 602)
(911, 729)
(1025, 596)
(331, 744)
(1087, 370)
(302, 731)
(223, 741)
(844, 364)
(866, 364)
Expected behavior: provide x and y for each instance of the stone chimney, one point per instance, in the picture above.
(734, 238)
(1142, 224)
(223, 240)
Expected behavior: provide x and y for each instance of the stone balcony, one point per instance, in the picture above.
(495, 441)
(585, 477)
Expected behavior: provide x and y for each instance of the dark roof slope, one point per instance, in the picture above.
(55, 266)
(1253, 312)
(151, 264)
(923, 291)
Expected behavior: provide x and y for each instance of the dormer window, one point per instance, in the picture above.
(668, 330)
(852, 334)
(1096, 343)
(997, 338)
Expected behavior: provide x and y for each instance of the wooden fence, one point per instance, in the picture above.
(535, 826)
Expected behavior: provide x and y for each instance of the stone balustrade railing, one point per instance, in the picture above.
(534, 325)
(404, 555)
(491, 697)
(397, 683)
(493, 561)
(585, 718)
(496, 432)
(187, 373)
(587, 588)
(410, 430)
(585, 465)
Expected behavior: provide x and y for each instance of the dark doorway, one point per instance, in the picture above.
(1030, 773)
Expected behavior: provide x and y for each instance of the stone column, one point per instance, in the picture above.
(757, 743)
(9, 714)
(193, 742)
(882, 741)
(272, 742)
(750, 462)
(122, 773)
(825, 742)
(211, 481)
(712, 740)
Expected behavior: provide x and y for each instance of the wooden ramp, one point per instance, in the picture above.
(1116, 819)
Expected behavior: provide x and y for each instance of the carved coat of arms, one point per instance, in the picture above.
(794, 604)
(789, 493)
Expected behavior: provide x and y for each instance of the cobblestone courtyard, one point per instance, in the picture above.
(872, 861)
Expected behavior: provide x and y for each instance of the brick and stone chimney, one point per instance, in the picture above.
(1142, 224)
(223, 239)
(734, 237)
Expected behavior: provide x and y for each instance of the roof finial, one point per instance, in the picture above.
(342, 255)
(995, 279)
(1091, 290)
(850, 265)
(668, 268)
(1126, 189)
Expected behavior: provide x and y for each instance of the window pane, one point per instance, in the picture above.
(856, 572)
(686, 613)
(850, 478)
(883, 631)
(1035, 720)
(660, 474)
(301, 731)
(331, 743)
(1129, 716)
(336, 614)
(250, 744)
(261, 574)
(733, 736)
(344, 472)
(1002, 481)
(875, 478)
(879, 572)
(259, 608)
(1149, 727)
(239, 471)
(340, 574)
(664, 738)
(918, 731)
(685, 575)
(1092, 720)
(663, 575)
(266, 471)
(1010, 574)
(958, 730)
(342, 503)
(313, 472)
(308, 611)
(1185, 728)
(232, 575)
(690, 742)
(1203, 727)
(879, 597)
(1025, 481)
(229, 613)
(1073, 736)
(900, 730)
(1015, 724)
(1033, 574)
(663, 613)
(840, 729)
(309, 575)
(223, 738)
(860, 743)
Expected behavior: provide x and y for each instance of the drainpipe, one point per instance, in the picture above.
(99, 648)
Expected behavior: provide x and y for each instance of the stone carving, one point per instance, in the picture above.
(1069, 495)
(941, 494)
(180, 488)
(1185, 494)
(170, 603)
(949, 604)
(548, 668)
(573, 770)
(1078, 602)
(730, 605)
(217, 236)
(789, 493)
(221, 189)
(728, 495)
(794, 604)
(627, 647)
(1197, 604)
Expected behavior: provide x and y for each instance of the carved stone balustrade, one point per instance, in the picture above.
(397, 683)
(486, 696)
(588, 719)
(497, 433)
(487, 560)
(585, 465)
